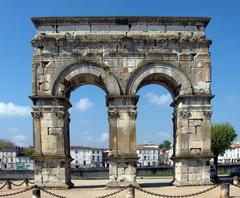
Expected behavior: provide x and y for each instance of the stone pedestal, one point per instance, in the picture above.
(192, 140)
(192, 171)
(122, 142)
(51, 142)
(53, 172)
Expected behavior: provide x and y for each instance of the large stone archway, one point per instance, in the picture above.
(121, 55)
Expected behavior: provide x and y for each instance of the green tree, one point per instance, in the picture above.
(222, 136)
(28, 151)
(6, 143)
(165, 145)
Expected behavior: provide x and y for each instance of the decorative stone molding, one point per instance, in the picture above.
(60, 114)
(36, 114)
(207, 114)
(132, 115)
(113, 115)
(185, 114)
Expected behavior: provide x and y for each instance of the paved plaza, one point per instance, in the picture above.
(95, 188)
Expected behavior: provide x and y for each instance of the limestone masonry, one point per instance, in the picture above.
(121, 55)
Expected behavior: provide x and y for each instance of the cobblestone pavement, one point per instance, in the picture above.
(84, 189)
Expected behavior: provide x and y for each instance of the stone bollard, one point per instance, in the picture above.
(224, 190)
(26, 183)
(36, 193)
(131, 192)
(236, 180)
(9, 185)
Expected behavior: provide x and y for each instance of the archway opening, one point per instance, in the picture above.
(154, 133)
(88, 133)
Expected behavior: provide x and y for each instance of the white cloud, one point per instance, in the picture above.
(104, 137)
(84, 104)
(19, 138)
(159, 100)
(11, 129)
(12, 110)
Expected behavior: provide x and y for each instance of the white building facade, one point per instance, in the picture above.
(87, 157)
(232, 155)
(14, 159)
(148, 155)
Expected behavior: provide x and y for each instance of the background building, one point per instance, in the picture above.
(87, 157)
(148, 155)
(13, 158)
(232, 155)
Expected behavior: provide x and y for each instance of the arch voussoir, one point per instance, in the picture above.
(103, 78)
(167, 74)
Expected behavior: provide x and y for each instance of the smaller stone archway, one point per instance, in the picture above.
(191, 124)
(51, 121)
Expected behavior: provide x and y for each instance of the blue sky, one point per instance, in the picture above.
(89, 114)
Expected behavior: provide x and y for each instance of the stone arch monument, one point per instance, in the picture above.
(121, 55)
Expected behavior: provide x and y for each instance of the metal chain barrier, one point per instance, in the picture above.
(17, 193)
(237, 186)
(114, 193)
(30, 182)
(18, 184)
(3, 185)
(50, 193)
(175, 196)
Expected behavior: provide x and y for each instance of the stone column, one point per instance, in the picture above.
(51, 142)
(192, 140)
(122, 156)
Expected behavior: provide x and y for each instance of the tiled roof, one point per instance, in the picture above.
(86, 148)
(237, 145)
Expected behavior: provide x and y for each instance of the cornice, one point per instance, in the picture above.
(121, 20)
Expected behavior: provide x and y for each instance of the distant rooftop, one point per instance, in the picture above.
(86, 148)
(121, 20)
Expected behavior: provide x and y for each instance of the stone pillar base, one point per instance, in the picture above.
(122, 170)
(116, 184)
(53, 173)
(192, 172)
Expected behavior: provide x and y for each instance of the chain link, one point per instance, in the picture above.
(17, 193)
(236, 185)
(114, 193)
(175, 196)
(50, 193)
(30, 182)
(4, 185)
(18, 184)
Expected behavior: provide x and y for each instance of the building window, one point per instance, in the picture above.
(76, 161)
(98, 158)
(145, 157)
(76, 152)
(93, 158)
(154, 157)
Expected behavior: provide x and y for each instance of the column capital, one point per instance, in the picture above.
(121, 100)
(36, 114)
(192, 100)
(50, 101)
